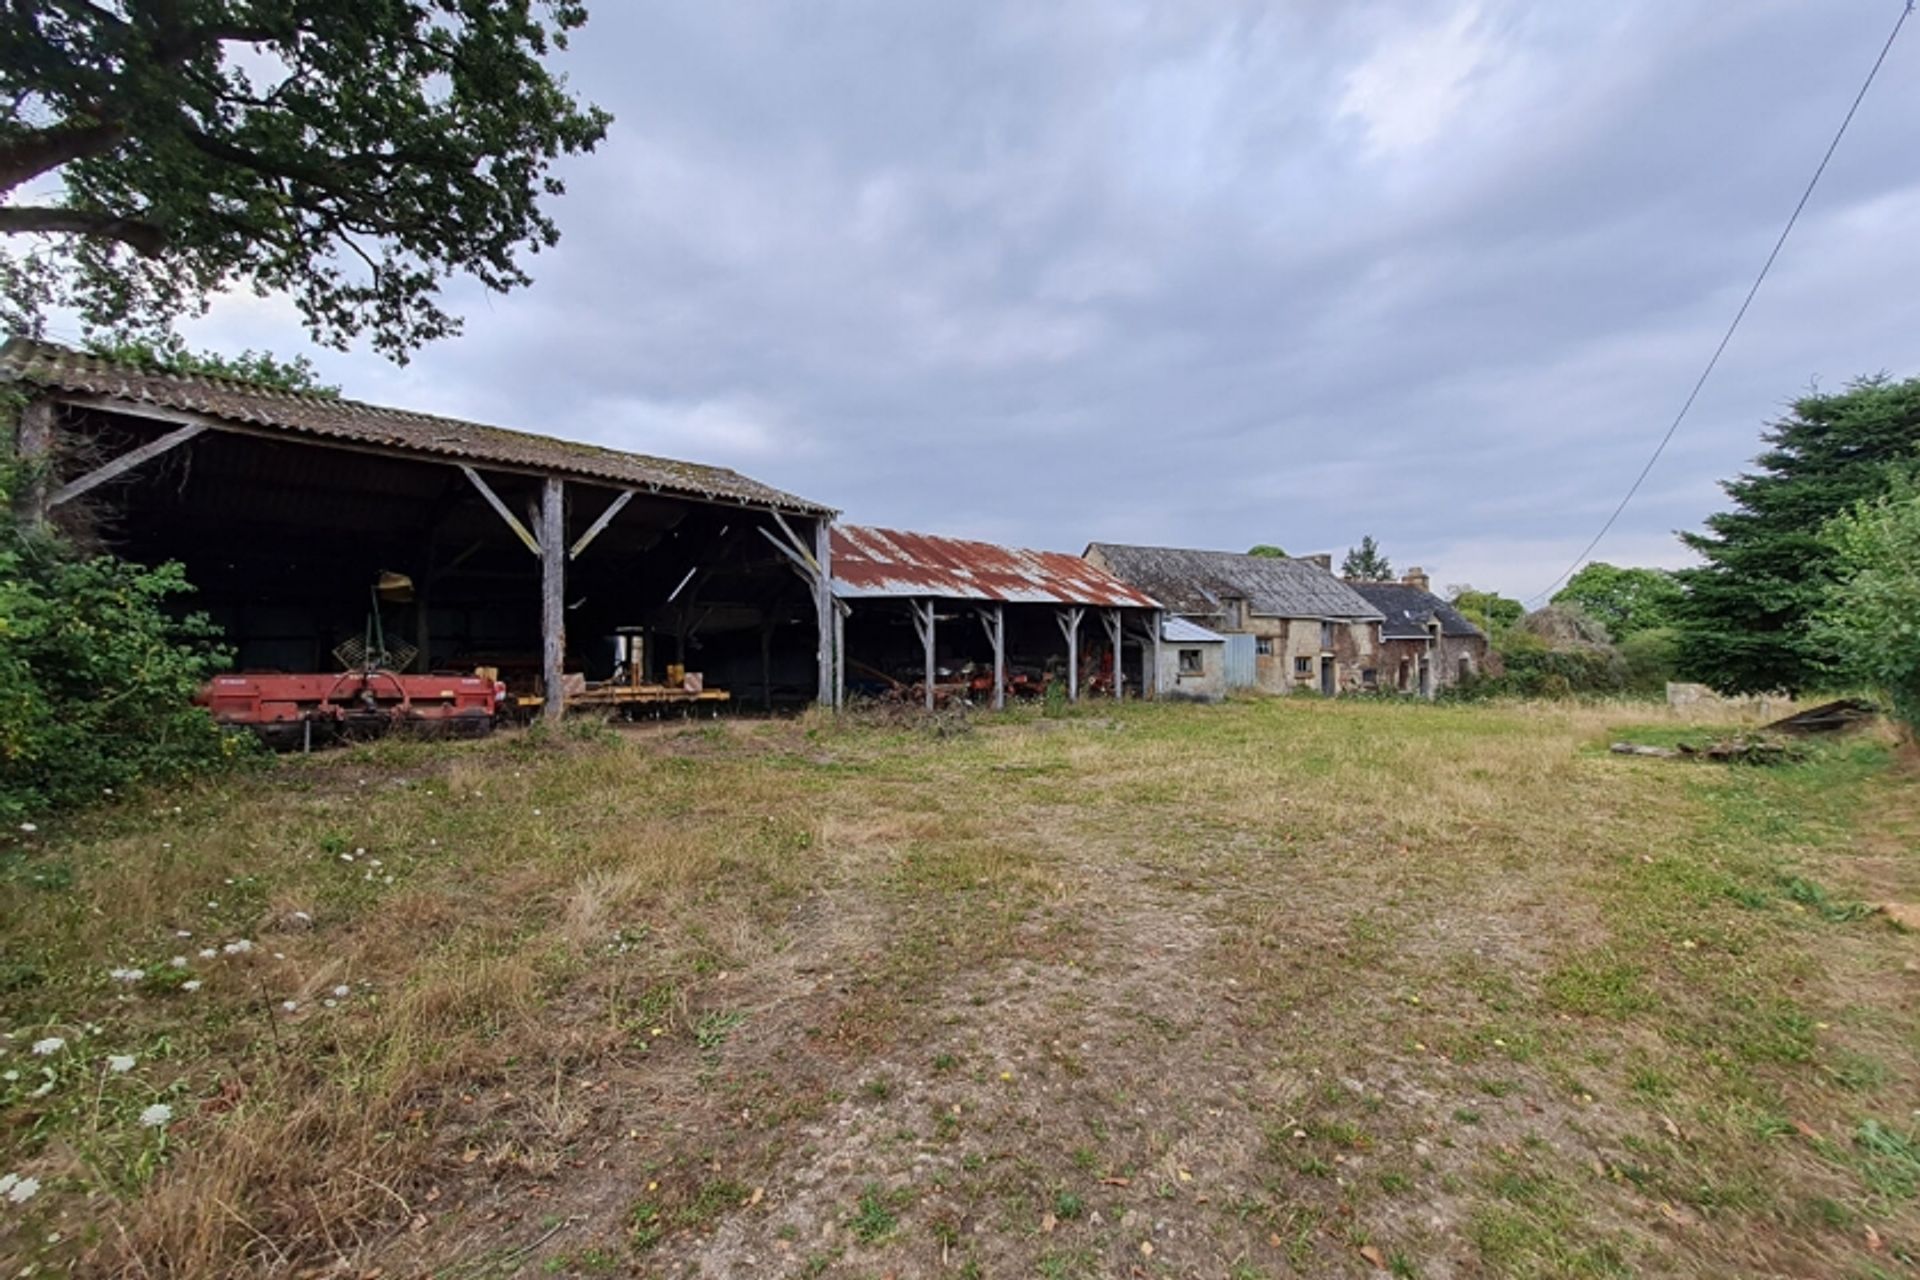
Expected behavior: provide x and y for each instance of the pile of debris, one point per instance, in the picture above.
(1739, 749)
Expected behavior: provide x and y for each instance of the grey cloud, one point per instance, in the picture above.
(1055, 273)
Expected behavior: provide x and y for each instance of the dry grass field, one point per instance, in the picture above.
(1267, 989)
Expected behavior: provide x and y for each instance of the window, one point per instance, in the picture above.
(1236, 614)
(1190, 663)
(1303, 666)
(1370, 677)
(1264, 646)
(1326, 635)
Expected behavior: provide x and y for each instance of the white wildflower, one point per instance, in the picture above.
(290, 1005)
(156, 1116)
(193, 985)
(343, 991)
(126, 975)
(178, 962)
(28, 827)
(208, 953)
(346, 857)
(48, 1047)
(42, 1091)
(23, 1189)
(120, 1063)
(239, 948)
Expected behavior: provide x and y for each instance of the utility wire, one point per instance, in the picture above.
(1906, 11)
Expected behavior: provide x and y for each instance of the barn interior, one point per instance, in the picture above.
(887, 659)
(298, 549)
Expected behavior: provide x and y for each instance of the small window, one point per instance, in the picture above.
(1303, 666)
(1264, 646)
(1370, 677)
(1326, 635)
(1190, 664)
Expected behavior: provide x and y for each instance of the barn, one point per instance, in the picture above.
(305, 521)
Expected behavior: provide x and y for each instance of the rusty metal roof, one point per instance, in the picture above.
(877, 563)
(63, 369)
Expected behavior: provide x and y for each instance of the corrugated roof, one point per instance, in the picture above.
(79, 373)
(1408, 608)
(869, 563)
(1177, 630)
(1201, 582)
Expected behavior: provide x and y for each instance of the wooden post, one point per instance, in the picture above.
(994, 622)
(841, 612)
(1069, 620)
(923, 622)
(553, 601)
(766, 662)
(1159, 625)
(33, 445)
(1114, 638)
(824, 613)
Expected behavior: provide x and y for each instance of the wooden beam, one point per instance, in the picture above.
(1069, 620)
(594, 529)
(841, 612)
(553, 604)
(1159, 635)
(33, 445)
(994, 622)
(826, 617)
(923, 622)
(1114, 638)
(123, 464)
(513, 522)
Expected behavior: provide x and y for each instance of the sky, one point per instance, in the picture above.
(1204, 274)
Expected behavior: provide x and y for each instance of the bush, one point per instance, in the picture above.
(1870, 622)
(95, 674)
(1652, 658)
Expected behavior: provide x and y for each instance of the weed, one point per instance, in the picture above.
(873, 1218)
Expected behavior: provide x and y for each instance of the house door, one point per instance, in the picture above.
(1326, 677)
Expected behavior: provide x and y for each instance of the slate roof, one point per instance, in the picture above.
(1200, 582)
(873, 563)
(63, 369)
(1407, 610)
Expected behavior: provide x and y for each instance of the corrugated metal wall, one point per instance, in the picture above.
(1240, 673)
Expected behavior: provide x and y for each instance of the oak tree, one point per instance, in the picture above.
(353, 154)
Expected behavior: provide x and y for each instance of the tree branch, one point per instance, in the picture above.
(32, 154)
(144, 237)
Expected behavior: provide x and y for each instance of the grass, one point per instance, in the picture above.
(1271, 982)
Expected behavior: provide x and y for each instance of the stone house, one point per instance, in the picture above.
(1193, 662)
(1425, 643)
(1308, 631)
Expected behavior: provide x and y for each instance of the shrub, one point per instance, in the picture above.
(95, 673)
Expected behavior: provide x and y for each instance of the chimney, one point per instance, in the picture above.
(1417, 577)
(1324, 560)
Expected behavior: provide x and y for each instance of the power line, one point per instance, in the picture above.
(1906, 10)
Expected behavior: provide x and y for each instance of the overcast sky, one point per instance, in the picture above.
(1205, 274)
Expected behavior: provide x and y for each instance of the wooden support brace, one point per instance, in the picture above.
(841, 612)
(826, 617)
(553, 604)
(520, 530)
(923, 622)
(33, 445)
(994, 621)
(1114, 623)
(123, 464)
(594, 529)
(1069, 620)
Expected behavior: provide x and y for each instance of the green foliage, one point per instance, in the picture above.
(353, 155)
(95, 674)
(1745, 620)
(1266, 551)
(1652, 657)
(1494, 614)
(1364, 563)
(1870, 622)
(1626, 600)
(168, 354)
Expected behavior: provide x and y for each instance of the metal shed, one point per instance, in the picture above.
(1018, 598)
